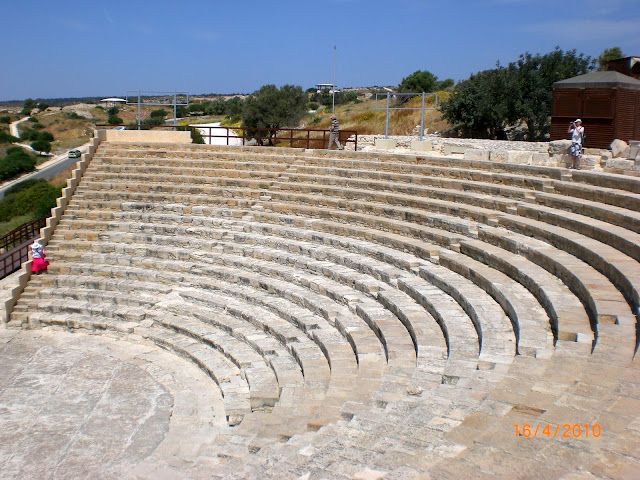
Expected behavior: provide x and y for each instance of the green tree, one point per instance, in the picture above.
(613, 53)
(531, 86)
(485, 103)
(233, 106)
(418, 82)
(444, 84)
(115, 120)
(111, 111)
(29, 104)
(273, 108)
(479, 106)
(41, 146)
(46, 136)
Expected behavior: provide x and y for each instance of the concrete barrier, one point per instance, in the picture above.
(454, 149)
(476, 154)
(146, 136)
(421, 146)
(386, 143)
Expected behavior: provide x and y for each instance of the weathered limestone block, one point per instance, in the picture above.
(454, 149)
(634, 148)
(386, 143)
(421, 146)
(520, 157)
(559, 147)
(619, 149)
(561, 160)
(476, 154)
(621, 164)
(589, 162)
(498, 156)
(541, 159)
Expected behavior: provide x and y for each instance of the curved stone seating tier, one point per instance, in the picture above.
(551, 260)
(363, 315)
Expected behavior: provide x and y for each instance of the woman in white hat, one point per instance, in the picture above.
(39, 263)
(577, 134)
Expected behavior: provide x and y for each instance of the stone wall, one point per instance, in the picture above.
(552, 154)
(150, 136)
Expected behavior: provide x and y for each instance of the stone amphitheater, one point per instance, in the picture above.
(270, 313)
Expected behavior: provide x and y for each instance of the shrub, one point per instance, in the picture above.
(36, 197)
(14, 150)
(196, 136)
(17, 161)
(158, 114)
(313, 106)
(112, 111)
(115, 120)
(74, 116)
(29, 104)
(22, 185)
(46, 136)
(8, 138)
(28, 134)
(6, 119)
(41, 146)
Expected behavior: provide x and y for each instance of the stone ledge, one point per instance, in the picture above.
(386, 143)
(151, 136)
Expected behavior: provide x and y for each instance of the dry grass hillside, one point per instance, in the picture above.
(363, 118)
(73, 125)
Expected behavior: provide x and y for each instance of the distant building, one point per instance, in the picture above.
(326, 88)
(112, 102)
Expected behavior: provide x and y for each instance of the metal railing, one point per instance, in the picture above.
(277, 137)
(24, 232)
(12, 260)
(15, 246)
(249, 136)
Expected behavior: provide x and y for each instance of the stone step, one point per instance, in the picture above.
(234, 388)
(537, 287)
(603, 302)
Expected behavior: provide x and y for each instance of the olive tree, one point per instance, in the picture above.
(274, 108)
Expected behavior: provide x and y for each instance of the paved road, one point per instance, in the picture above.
(47, 170)
(14, 126)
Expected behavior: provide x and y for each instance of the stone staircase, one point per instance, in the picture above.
(366, 315)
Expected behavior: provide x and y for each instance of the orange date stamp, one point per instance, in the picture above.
(567, 430)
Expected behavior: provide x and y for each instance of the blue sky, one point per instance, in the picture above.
(91, 48)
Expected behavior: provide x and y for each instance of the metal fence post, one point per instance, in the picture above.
(386, 119)
(422, 117)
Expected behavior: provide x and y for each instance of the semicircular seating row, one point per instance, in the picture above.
(401, 313)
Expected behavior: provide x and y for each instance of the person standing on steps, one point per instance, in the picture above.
(334, 132)
(39, 264)
(577, 139)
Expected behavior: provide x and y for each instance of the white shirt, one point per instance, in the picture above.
(576, 134)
